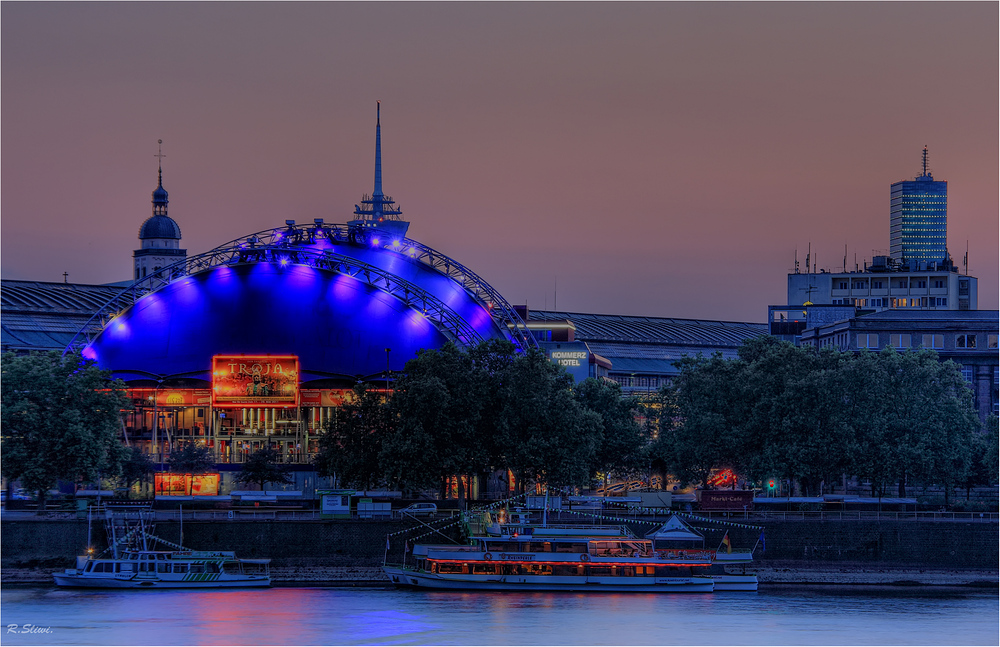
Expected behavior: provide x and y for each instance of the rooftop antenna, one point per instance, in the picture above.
(925, 161)
(796, 261)
(966, 263)
(808, 256)
(65, 277)
(845, 257)
(377, 193)
(160, 156)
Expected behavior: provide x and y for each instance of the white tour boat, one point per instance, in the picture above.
(554, 558)
(132, 564)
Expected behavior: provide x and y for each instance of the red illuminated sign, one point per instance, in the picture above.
(255, 380)
(171, 484)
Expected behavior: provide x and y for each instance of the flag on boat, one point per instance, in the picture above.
(763, 546)
(387, 542)
(728, 544)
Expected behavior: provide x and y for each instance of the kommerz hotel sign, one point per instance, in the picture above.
(255, 380)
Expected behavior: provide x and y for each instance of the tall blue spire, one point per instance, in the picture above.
(378, 208)
(377, 193)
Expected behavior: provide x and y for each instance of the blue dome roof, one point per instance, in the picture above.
(159, 227)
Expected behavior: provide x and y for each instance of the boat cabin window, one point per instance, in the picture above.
(104, 567)
(212, 568)
(126, 567)
(161, 556)
(163, 568)
(89, 567)
(131, 556)
(197, 568)
(180, 568)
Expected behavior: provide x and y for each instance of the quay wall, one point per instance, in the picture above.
(54, 543)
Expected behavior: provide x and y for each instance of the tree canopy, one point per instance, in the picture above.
(61, 419)
(814, 415)
(262, 467)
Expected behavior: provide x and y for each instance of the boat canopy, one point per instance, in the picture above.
(675, 530)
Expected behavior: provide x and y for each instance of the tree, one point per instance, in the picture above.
(191, 458)
(623, 446)
(543, 433)
(60, 420)
(136, 468)
(438, 404)
(701, 413)
(352, 441)
(262, 467)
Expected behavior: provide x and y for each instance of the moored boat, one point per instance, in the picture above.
(554, 558)
(166, 570)
(728, 569)
(133, 564)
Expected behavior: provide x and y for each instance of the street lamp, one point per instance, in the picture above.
(387, 373)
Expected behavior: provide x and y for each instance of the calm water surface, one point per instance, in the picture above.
(314, 616)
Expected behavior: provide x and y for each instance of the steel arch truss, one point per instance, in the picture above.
(363, 233)
(293, 246)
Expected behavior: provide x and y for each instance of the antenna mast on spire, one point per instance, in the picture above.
(379, 211)
(160, 156)
(925, 161)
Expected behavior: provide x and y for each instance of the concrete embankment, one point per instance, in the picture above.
(349, 553)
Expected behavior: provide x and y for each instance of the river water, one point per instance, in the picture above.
(339, 616)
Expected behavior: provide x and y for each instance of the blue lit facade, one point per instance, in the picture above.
(918, 219)
(345, 303)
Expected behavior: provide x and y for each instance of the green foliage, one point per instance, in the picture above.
(700, 420)
(60, 420)
(192, 458)
(352, 442)
(543, 433)
(623, 446)
(437, 405)
(462, 413)
(262, 467)
(136, 468)
(812, 416)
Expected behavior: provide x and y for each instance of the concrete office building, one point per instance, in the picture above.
(918, 219)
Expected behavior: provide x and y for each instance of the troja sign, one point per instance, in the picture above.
(255, 381)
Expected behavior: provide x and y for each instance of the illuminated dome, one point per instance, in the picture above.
(335, 296)
(350, 301)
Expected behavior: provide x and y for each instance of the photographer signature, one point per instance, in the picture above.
(28, 629)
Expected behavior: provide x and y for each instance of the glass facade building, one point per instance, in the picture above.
(918, 220)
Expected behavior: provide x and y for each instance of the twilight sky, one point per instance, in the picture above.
(651, 159)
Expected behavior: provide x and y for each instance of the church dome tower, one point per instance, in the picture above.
(159, 235)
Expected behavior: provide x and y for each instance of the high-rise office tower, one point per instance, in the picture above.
(918, 218)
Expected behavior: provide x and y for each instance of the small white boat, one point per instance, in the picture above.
(132, 564)
(166, 570)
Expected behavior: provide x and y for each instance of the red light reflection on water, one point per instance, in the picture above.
(235, 618)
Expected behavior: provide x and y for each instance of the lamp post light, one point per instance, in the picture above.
(387, 373)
